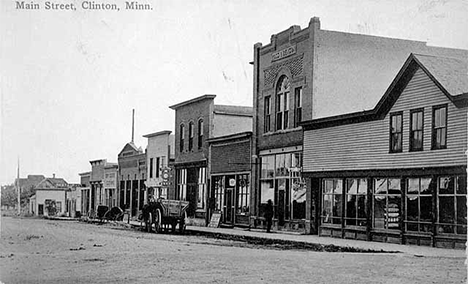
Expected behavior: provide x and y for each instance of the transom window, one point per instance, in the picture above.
(396, 133)
(416, 130)
(282, 103)
(439, 127)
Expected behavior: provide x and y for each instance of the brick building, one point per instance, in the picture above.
(396, 173)
(195, 121)
(304, 74)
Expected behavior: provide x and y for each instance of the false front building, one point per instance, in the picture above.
(195, 121)
(396, 173)
(303, 74)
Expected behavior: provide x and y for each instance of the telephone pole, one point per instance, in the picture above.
(18, 188)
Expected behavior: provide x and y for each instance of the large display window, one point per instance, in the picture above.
(419, 205)
(332, 201)
(356, 202)
(282, 182)
(451, 205)
(387, 203)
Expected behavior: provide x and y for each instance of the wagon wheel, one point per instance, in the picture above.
(158, 221)
(149, 222)
(182, 223)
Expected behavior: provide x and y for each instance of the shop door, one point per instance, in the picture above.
(281, 203)
(41, 209)
(228, 209)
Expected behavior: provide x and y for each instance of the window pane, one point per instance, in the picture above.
(425, 186)
(379, 211)
(461, 189)
(327, 208)
(268, 191)
(426, 208)
(413, 186)
(446, 209)
(446, 185)
(461, 210)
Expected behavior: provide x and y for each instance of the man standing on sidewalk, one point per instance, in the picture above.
(269, 214)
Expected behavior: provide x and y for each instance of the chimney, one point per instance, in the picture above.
(53, 175)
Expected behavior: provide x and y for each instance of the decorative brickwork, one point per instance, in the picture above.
(294, 64)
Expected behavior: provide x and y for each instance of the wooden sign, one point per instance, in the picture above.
(215, 218)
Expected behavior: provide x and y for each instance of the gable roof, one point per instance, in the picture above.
(52, 183)
(449, 74)
(130, 146)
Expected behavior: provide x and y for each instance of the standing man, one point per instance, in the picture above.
(269, 214)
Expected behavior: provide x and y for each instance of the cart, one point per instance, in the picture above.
(165, 214)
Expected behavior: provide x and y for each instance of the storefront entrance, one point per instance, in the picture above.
(228, 208)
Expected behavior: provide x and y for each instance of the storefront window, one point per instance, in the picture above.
(386, 203)
(268, 167)
(419, 205)
(218, 183)
(332, 201)
(182, 184)
(281, 182)
(452, 205)
(356, 202)
(299, 198)
(201, 188)
(243, 194)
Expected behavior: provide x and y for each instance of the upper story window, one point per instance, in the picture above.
(151, 168)
(200, 133)
(158, 166)
(282, 103)
(416, 129)
(267, 116)
(297, 106)
(396, 133)
(439, 127)
(182, 137)
(190, 145)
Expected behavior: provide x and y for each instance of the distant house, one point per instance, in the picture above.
(50, 198)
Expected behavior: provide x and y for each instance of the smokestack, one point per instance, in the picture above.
(133, 123)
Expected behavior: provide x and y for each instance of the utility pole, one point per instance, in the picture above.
(133, 123)
(18, 189)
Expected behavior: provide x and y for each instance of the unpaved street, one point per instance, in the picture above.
(45, 251)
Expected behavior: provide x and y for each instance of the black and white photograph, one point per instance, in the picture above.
(233, 141)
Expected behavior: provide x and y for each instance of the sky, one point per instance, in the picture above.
(70, 79)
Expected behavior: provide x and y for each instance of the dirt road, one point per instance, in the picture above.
(45, 251)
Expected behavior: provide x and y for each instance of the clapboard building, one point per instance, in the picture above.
(395, 173)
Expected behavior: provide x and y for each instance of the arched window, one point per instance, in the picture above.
(282, 103)
(200, 133)
(182, 136)
(190, 141)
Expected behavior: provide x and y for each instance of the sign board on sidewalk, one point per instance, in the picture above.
(215, 218)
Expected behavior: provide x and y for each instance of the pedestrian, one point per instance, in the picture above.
(269, 214)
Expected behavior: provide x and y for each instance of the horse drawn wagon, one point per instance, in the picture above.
(165, 214)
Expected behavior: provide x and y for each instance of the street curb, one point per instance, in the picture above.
(284, 244)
